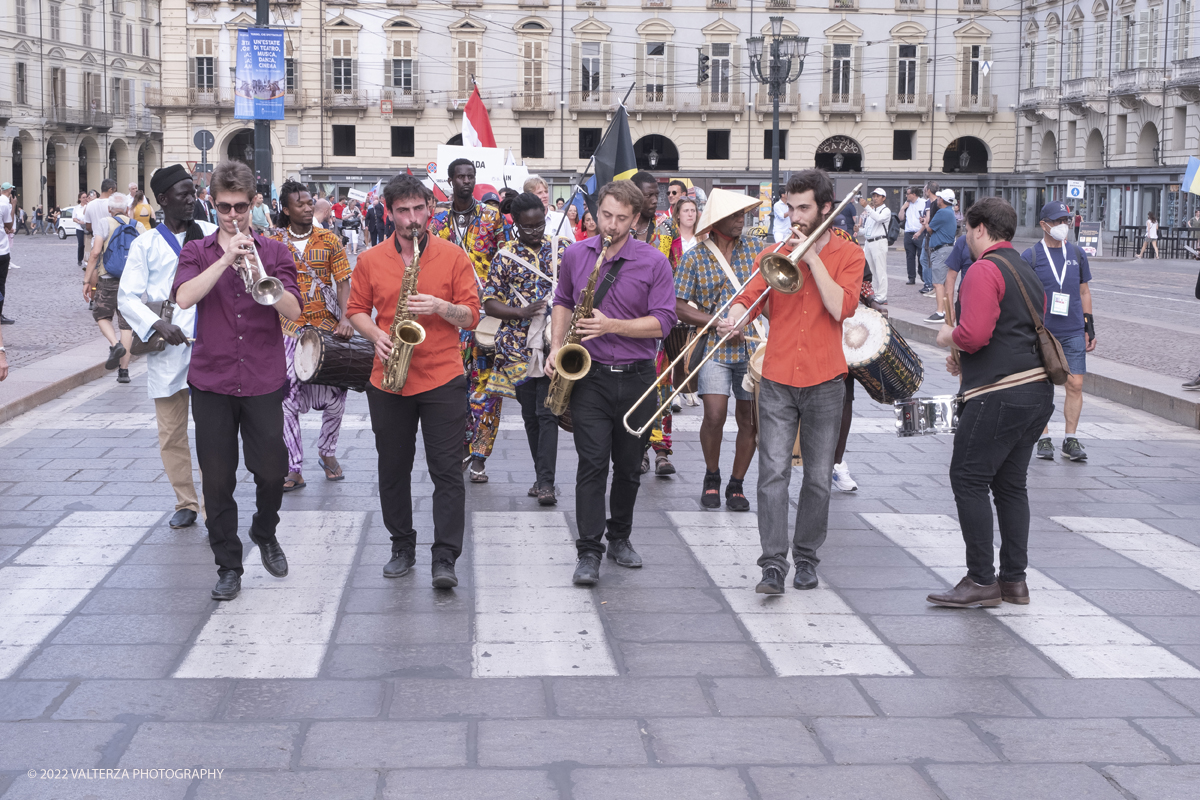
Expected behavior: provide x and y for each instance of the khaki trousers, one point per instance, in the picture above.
(172, 414)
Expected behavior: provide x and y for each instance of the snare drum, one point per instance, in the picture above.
(325, 359)
(923, 416)
(887, 367)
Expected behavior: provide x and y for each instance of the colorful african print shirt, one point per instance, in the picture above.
(660, 238)
(484, 232)
(317, 267)
(507, 281)
(701, 280)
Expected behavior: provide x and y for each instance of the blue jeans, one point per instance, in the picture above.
(817, 410)
(1075, 349)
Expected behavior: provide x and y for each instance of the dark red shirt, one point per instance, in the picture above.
(239, 343)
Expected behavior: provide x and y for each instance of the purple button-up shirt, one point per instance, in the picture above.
(239, 343)
(644, 288)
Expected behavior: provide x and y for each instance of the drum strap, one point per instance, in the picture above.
(719, 257)
(1016, 379)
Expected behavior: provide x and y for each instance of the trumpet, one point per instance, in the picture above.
(782, 273)
(265, 290)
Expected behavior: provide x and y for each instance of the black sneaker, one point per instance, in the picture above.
(772, 581)
(735, 497)
(1192, 385)
(710, 495)
(909, 283)
(587, 570)
(1073, 450)
(123, 376)
(443, 574)
(115, 354)
(402, 561)
(936, 316)
(1045, 448)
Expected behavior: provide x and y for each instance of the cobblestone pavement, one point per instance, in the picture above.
(675, 680)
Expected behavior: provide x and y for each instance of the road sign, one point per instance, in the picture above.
(204, 140)
(1075, 190)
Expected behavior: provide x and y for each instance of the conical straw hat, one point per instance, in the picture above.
(723, 203)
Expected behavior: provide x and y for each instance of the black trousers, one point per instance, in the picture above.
(911, 249)
(4, 260)
(992, 447)
(598, 404)
(219, 419)
(541, 428)
(442, 414)
(79, 234)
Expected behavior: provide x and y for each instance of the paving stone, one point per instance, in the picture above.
(861, 577)
(962, 661)
(137, 601)
(679, 658)
(387, 661)
(674, 627)
(53, 745)
(340, 784)
(385, 745)
(1098, 698)
(675, 601)
(1181, 736)
(25, 788)
(221, 745)
(1008, 781)
(791, 696)
(897, 740)
(172, 700)
(628, 697)
(654, 784)
(305, 699)
(531, 743)
(1168, 630)
(22, 700)
(1071, 740)
(944, 697)
(733, 741)
(128, 629)
(843, 783)
(410, 629)
(1135, 578)
(103, 661)
(415, 698)
(445, 784)
(1145, 603)
(943, 629)
(1157, 783)
(1187, 692)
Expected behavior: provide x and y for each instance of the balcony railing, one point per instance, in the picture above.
(78, 117)
(533, 101)
(907, 104)
(910, 5)
(1186, 72)
(1081, 89)
(656, 3)
(193, 98)
(590, 3)
(971, 104)
(842, 103)
(843, 5)
(1037, 97)
(780, 5)
(356, 99)
(531, 3)
(789, 104)
(722, 5)
(709, 102)
(404, 99)
(594, 100)
(144, 122)
(1137, 81)
(5, 110)
(973, 6)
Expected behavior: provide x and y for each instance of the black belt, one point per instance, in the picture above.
(939, 247)
(876, 238)
(632, 366)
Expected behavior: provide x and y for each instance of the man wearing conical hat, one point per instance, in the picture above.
(709, 275)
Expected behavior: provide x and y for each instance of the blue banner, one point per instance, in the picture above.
(261, 78)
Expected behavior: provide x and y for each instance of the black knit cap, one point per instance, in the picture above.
(167, 177)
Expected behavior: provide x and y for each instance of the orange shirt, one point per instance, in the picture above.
(446, 273)
(804, 347)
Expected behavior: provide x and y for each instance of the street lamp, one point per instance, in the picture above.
(776, 76)
(652, 158)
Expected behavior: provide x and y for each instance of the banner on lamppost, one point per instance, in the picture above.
(261, 78)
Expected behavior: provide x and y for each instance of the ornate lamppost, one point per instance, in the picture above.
(776, 76)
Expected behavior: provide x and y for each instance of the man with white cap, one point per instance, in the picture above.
(875, 218)
(708, 275)
(940, 227)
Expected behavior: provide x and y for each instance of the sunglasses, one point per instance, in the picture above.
(237, 208)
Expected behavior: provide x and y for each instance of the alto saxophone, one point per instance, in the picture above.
(406, 332)
(573, 361)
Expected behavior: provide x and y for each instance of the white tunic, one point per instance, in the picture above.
(150, 272)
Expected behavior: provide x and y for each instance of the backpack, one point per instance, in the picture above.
(893, 231)
(116, 249)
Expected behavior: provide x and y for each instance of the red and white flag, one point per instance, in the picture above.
(476, 129)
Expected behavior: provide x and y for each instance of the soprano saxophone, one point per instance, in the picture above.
(573, 361)
(406, 332)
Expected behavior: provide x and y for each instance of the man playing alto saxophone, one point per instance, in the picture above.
(634, 304)
(434, 393)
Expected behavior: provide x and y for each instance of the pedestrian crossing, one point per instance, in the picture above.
(529, 619)
(281, 627)
(1075, 634)
(45, 583)
(801, 633)
(1168, 555)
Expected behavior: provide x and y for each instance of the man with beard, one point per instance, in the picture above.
(803, 382)
(150, 272)
(477, 229)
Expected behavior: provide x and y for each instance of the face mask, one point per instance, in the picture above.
(1059, 232)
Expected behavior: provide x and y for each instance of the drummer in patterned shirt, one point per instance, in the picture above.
(478, 229)
(321, 265)
(648, 228)
(520, 280)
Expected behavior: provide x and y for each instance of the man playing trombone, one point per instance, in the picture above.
(238, 373)
(802, 379)
(634, 304)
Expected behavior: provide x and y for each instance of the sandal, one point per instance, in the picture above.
(478, 476)
(295, 483)
(533, 491)
(332, 474)
(546, 496)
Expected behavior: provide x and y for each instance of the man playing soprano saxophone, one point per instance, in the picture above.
(435, 392)
(620, 337)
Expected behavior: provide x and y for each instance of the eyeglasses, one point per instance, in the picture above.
(532, 228)
(238, 208)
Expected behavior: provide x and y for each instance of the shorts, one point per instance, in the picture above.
(716, 378)
(106, 302)
(937, 264)
(1075, 349)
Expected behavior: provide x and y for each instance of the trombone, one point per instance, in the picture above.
(782, 273)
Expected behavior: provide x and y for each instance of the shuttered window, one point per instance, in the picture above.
(655, 71)
(467, 61)
(531, 67)
(205, 68)
(589, 68)
(403, 67)
(839, 78)
(906, 73)
(342, 66)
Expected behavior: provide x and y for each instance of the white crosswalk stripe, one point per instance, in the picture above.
(1168, 555)
(800, 632)
(281, 627)
(1072, 632)
(45, 582)
(529, 619)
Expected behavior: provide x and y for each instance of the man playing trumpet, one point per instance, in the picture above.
(633, 305)
(803, 381)
(434, 393)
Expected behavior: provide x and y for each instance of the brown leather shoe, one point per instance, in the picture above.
(1016, 592)
(968, 593)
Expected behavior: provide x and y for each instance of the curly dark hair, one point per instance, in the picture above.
(286, 192)
(527, 201)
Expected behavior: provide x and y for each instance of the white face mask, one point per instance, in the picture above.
(1059, 232)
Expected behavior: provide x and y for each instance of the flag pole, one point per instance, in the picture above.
(591, 163)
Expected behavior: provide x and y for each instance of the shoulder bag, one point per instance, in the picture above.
(1049, 349)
